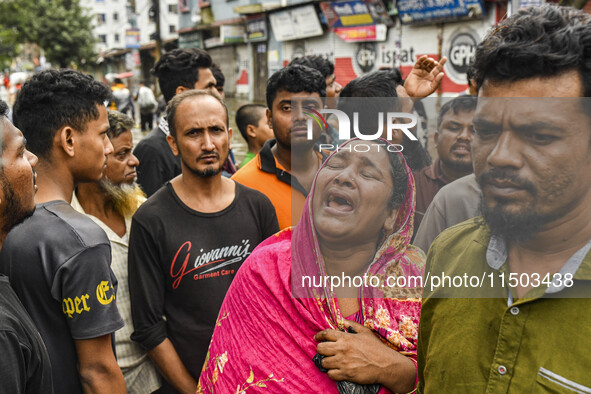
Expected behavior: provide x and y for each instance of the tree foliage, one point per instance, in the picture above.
(62, 28)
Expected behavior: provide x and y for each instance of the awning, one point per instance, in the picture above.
(233, 21)
(115, 52)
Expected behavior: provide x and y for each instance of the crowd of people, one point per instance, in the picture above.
(164, 268)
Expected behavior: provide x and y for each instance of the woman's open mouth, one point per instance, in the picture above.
(339, 202)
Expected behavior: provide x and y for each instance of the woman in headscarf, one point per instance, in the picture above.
(286, 325)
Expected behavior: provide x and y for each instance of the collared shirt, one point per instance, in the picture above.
(428, 181)
(265, 174)
(454, 203)
(538, 343)
(139, 372)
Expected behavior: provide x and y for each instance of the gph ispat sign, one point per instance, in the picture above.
(461, 49)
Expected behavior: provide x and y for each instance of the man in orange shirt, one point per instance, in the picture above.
(284, 169)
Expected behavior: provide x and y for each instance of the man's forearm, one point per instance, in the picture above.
(102, 378)
(172, 368)
(98, 368)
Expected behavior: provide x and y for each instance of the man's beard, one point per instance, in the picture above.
(125, 198)
(520, 227)
(512, 227)
(14, 212)
(459, 166)
(208, 172)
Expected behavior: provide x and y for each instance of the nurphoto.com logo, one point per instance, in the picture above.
(394, 121)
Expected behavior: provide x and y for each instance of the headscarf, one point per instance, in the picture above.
(392, 312)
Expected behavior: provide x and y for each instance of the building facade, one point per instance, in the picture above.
(251, 40)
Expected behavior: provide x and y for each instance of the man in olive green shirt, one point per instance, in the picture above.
(514, 314)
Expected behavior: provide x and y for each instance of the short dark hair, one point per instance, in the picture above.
(119, 123)
(220, 80)
(541, 41)
(3, 114)
(248, 114)
(3, 109)
(470, 75)
(461, 103)
(381, 83)
(179, 98)
(53, 99)
(317, 62)
(118, 80)
(295, 79)
(180, 67)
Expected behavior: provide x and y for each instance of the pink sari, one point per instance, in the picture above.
(264, 338)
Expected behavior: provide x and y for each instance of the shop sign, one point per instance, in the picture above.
(295, 23)
(434, 11)
(362, 33)
(256, 28)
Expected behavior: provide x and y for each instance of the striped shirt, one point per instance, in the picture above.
(139, 372)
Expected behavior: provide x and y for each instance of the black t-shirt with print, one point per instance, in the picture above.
(181, 263)
(58, 262)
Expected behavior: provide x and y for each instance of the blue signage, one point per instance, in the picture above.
(431, 11)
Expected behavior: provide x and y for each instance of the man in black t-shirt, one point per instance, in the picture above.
(24, 364)
(58, 260)
(188, 241)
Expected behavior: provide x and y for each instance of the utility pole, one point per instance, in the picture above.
(158, 38)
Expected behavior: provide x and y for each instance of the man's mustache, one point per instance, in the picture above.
(509, 175)
(201, 156)
(467, 145)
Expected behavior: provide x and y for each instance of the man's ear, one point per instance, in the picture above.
(435, 138)
(390, 222)
(230, 132)
(172, 143)
(180, 89)
(250, 131)
(66, 138)
(269, 118)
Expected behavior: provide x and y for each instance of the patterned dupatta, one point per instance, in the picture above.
(391, 312)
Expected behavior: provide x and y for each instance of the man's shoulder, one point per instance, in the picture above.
(461, 235)
(250, 171)
(253, 176)
(76, 224)
(151, 142)
(156, 205)
(424, 171)
(252, 194)
(459, 188)
(458, 198)
(57, 223)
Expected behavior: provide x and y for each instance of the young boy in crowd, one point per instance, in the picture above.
(251, 120)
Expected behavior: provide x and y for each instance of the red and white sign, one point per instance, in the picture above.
(362, 33)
